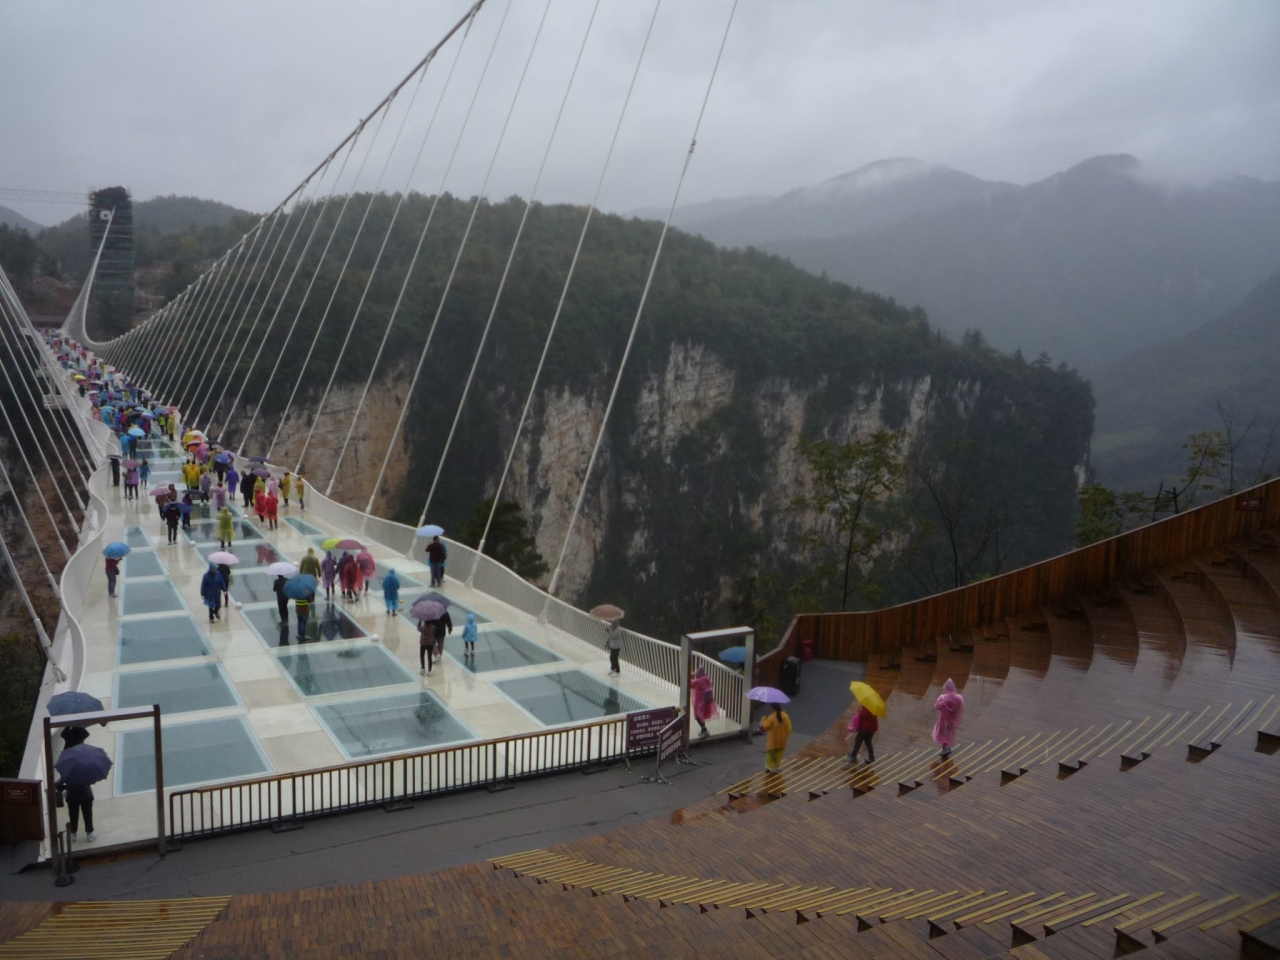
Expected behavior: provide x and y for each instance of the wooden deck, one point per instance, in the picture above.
(1115, 792)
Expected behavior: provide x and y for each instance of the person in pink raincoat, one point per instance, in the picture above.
(328, 573)
(368, 566)
(219, 494)
(703, 697)
(950, 707)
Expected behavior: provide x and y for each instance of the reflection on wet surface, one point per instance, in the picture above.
(319, 670)
(410, 721)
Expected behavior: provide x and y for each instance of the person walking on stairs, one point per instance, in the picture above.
(863, 726)
(950, 707)
(778, 727)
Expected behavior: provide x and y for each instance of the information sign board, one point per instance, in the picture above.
(644, 726)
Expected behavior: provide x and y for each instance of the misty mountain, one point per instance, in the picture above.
(12, 218)
(1150, 401)
(1087, 265)
(694, 213)
(878, 195)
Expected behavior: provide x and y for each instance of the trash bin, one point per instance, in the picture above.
(806, 649)
(789, 678)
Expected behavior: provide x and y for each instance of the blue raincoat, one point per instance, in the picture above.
(391, 590)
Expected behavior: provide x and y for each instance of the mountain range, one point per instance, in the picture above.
(1087, 265)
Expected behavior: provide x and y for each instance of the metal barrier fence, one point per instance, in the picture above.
(282, 799)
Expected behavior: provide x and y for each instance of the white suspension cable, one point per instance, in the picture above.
(288, 337)
(564, 293)
(635, 323)
(169, 370)
(154, 364)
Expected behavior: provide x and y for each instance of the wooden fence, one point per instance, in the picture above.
(857, 636)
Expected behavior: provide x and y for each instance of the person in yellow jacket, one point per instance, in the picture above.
(302, 491)
(286, 487)
(778, 726)
(191, 474)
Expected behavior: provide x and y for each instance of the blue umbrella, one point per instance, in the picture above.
(222, 458)
(736, 655)
(137, 432)
(116, 550)
(297, 587)
(185, 508)
(73, 701)
(83, 765)
(431, 530)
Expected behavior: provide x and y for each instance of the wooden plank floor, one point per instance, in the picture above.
(1185, 845)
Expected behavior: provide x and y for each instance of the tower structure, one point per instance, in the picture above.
(111, 211)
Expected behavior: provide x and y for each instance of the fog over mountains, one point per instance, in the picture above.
(1087, 265)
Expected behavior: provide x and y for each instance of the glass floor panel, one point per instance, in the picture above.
(193, 753)
(408, 721)
(457, 611)
(328, 621)
(498, 650)
(136, 537)
(203, 531)
(409, 587)
(318, 671)
(201, 686)
(252, 587)
(149, 596)
(161, 638)
(256, 554)
(567, 697)
(304, 528)
(142, 563)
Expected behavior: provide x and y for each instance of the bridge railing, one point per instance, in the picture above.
(285, 798)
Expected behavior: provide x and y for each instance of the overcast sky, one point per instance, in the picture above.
(238, 100)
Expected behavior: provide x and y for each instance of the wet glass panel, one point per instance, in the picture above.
(498, 650)
(202, 531)
(252, 587)
(136, 537)
(304, 528)
(409, 721)
(409, 587)
(570, 696)
(328, 621)
(142, 563)
(318, 670)
(161, 638)
(258, 553)
(149, 596)
(201, 686)
(193, 753)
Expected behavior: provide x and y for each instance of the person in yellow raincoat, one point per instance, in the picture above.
(778, 726)
(191, 475)
(286, 487)
(302, 492)
(226, 530)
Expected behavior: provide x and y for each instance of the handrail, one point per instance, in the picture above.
(856, 635)
(282, 799)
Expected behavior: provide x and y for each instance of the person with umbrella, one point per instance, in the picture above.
(613, 640)
(224, 569)
(437, 554)
(185, 508)
(212, 587)
(864, 723)
(391, 592)
(703, 695)
(950, 707)
(778, 727)
(172, 511)
(220, 461)
(328, 573)
(113, 552)
(80, 766)
(349, 575)
(302, 608)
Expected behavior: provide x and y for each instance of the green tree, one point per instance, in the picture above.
(854, 488)
(509, 541)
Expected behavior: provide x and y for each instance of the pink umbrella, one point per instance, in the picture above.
(221, 556)
(350, 545)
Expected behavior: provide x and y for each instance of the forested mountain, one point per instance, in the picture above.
(12, 218)
(691, 517)
(1088, 264)
(1149, 401)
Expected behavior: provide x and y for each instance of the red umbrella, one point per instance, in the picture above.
(350, 545)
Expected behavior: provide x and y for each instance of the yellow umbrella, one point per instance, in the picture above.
(330, 543)
(77, 376)
(867, 697)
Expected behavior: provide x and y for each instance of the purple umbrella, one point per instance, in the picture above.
(264, 474)
(83, 765)
(426, 609)
(767, 695)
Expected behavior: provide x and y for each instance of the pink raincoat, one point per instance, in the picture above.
(703, 696)
(950, 707)
(219, 494)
